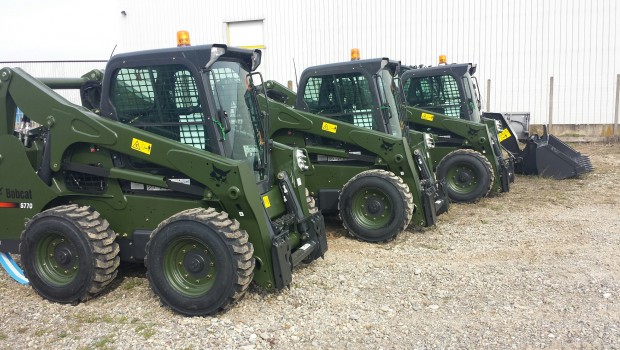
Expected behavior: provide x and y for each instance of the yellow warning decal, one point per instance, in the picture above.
(266, 202)
(503, 135)
(329, 127)
(141, 146)
(427, 116)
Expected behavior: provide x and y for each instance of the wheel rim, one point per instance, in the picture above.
(57, 260)
(189, 266)
(372, 208)
(462, 178)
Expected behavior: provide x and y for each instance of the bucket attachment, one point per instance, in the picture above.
(545, 155)
(548, 156)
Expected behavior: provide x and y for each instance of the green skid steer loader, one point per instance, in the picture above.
(347, 119)
(173, 168)
(467, 154)
(452, 90)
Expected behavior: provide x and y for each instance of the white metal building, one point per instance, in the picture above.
(517, 44)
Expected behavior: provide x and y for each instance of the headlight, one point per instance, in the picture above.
(428, 139)
(498, 126)
(302, 160)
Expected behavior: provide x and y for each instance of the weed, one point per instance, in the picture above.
(146, 330)
(85, 318)
(104, 342)
(132, 283)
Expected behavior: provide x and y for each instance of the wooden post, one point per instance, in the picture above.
(488, 95)
(550, 105)
(617, 105)
(290, 85)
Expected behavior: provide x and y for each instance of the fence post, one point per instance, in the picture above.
(617, 105)
(550, 104)
(289, 84)
(488, 95)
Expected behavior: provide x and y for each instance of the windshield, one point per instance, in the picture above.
(237, 116)
(437, 93)
(388, 103)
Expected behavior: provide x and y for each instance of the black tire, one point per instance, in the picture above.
(69, 253)
(468, 175)
(199, 262)
(375, 206)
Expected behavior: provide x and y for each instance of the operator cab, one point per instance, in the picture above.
(202, 96)
(437, 89)
(356, 92)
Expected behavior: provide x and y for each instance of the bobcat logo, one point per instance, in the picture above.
(386, 145)
(219, 175)
(472, 132)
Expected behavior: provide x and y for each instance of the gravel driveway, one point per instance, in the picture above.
(538, 267)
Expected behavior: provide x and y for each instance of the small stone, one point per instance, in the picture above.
(551, 335)
(265, 336)
(315, 343)
(433, 307)
(280, 298)
(294, 338)
(385, 308)
(606, 295)
(252, 338)
(354, 317)
(417, 272)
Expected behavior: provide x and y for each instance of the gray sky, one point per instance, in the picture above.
(36, 30)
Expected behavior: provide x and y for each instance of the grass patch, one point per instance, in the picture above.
(104, 343)
(83, 318)
(145, 330)
(132, 283)
(3, 336)
(40, 332)
(86, 318)
(430, 246)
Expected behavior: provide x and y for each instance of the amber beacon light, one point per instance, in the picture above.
(355, 54)
(183, 38)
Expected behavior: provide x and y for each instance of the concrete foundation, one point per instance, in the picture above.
(579, 132)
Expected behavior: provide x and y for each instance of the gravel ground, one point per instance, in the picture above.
(534, 268)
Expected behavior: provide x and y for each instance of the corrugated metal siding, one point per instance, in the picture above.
(517, 44)
(58, 69)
